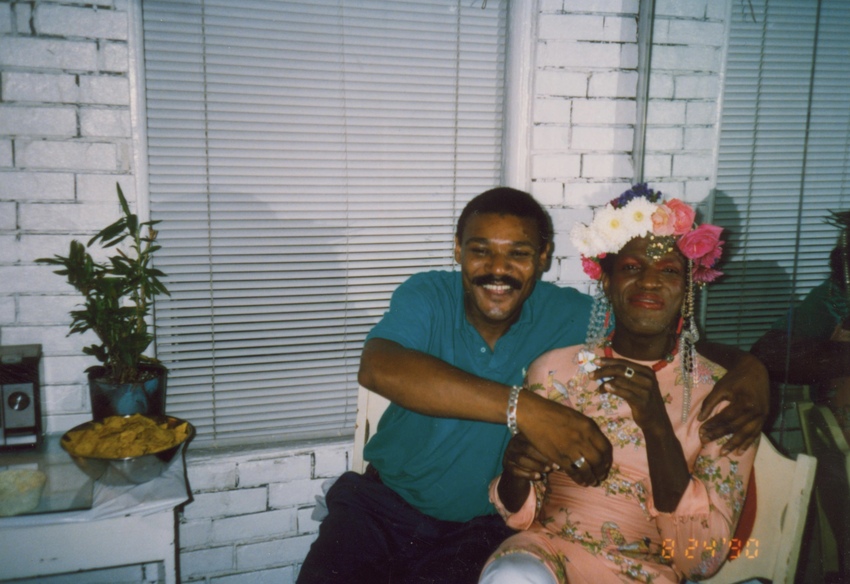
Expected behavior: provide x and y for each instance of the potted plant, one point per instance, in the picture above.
(118, 293)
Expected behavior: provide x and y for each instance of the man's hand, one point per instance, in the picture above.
(523, 460)
(747, 389)
(565, 437)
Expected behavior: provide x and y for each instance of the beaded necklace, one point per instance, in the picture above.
(658, 366)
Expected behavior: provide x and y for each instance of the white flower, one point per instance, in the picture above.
(612, 226)
(586, 241)
(638, 216)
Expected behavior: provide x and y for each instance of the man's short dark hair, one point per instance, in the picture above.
(507, 201)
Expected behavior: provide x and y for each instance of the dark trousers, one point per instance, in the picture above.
(371, 535)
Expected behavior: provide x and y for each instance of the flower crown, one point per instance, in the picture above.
(639, 212)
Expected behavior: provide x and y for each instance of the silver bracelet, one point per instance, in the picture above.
(513, 399)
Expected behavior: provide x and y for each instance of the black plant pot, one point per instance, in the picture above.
(124, 399)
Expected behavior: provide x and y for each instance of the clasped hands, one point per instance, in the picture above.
(581, 449)
(552, 436)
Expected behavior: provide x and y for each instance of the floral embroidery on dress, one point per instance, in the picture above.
(558, 563)
(608, 402)
(610, 537)
(634, 570)
(710, 560)
(621, 431)
(629, 552)
(615, 484)
(729, 487)
(560, 387)
(642, 496)
(570, 530)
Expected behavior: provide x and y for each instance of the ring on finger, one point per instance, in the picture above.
(629, 372)
(577, 464)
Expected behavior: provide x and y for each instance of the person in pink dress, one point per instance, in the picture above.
(668, 509)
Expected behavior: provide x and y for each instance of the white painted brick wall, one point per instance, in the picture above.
(5, 156)
(612, 84)
(65, 139)
(60, 155)
(43, 53)
(591, 45)
(7, 309)
(35, 186)
(40, 87)
(80, 21)
(108, 123)
(658, 165)
(665, 113)
(38, 121)
(548, 110)
(251, 511)
(561, 83)
(5, 18)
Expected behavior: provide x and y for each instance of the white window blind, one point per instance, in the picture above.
(782, 160)
(305, 158)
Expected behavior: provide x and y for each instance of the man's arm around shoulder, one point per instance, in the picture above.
(430, 386)
(746, 387)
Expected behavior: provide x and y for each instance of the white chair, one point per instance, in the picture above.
(783, 489)
(825, 441)
(370, 407)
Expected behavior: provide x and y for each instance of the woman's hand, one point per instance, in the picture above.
(638, 386)
(523, 460)
(522, 463)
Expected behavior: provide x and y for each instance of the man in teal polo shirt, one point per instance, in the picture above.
(409, 449)
(446, 354)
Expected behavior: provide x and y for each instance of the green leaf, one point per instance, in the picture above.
(117, 293)
(124, 206)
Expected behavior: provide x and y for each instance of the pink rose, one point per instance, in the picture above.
(591, 267)
(683, 216)
(702, 245)
(663, 221)
(710, 258)
(703, 275)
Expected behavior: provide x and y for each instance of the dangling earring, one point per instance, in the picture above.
(687, 339)
(600, 319)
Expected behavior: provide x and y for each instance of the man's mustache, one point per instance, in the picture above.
(490, 279)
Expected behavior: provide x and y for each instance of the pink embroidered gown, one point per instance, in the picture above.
(612, 533)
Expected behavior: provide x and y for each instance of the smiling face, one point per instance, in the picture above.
(501, 257)
(646, 296)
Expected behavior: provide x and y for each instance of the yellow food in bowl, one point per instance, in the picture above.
(124, 437)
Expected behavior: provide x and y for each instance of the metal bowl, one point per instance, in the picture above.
(130, 470)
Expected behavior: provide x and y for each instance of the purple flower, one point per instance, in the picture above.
(638, 190)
